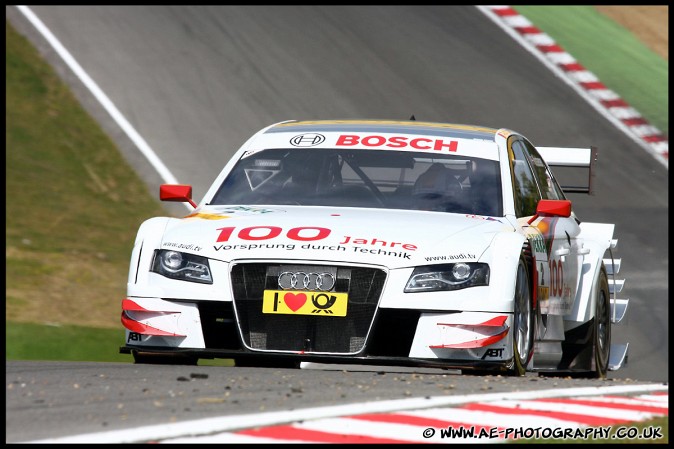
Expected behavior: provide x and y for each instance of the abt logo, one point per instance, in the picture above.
(493, 352)
(134, 336)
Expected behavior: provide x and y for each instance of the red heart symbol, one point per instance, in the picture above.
(295, 301)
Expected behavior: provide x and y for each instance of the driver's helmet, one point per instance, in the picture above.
(435, 188)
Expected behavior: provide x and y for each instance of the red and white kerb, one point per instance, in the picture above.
(575, 74)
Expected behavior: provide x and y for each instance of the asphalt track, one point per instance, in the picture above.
(196, 82)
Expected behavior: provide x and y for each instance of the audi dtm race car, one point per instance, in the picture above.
(380, 242)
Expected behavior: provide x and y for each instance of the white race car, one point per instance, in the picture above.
(380, 242)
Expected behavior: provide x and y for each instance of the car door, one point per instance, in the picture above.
(553, 236)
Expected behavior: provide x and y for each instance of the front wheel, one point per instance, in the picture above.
(523, 323)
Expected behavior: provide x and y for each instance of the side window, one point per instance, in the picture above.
(549, 187)
(525, 189)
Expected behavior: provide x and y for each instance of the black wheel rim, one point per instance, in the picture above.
(522, 316)
(603, 323)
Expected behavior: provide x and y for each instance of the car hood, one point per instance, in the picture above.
(391, 238)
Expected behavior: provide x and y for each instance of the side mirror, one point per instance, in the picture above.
(552, 208)
(176, 192)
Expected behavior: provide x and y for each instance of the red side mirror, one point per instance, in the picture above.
(552, 208)
(555, 208)
(176, 192)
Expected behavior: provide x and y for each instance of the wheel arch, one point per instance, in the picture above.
(596, 238)
(505, 253)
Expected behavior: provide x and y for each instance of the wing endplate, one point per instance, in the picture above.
(572, 157)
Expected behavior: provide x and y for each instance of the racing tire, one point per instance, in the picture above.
(163, 359)
(523, 323)
(585, 349)
(601, 330)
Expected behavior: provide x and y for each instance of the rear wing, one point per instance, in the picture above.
(572, 157)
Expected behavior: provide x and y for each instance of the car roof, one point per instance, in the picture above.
(457, 131)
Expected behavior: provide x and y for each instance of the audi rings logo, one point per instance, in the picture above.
(306, 281)
(307, 140)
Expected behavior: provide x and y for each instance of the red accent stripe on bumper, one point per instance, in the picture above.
(495, 322)
(474, 343)
(127, 304)
(140, 328)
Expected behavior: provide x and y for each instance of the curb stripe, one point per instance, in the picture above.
(315, 436)
(206, 429)
(396, 433)
(664, 407)
(501, 415)
(607, 102)
(613, 405)
(410, 419)
(477, 416)
(580, 419)
(587, 410)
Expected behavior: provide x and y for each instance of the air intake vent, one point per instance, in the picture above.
(320, 333)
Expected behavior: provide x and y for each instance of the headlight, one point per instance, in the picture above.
(182, 266)
(453, 276)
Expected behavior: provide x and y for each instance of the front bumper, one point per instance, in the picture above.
(402, 337)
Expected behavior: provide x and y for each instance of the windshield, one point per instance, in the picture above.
(364, 178)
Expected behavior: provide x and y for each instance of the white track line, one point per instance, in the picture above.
(109, 106)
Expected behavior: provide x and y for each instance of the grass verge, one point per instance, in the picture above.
(613, 54)
(56, 342)
(73, 208)
(29, 341)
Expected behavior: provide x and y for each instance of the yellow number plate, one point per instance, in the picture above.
(304, 303)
